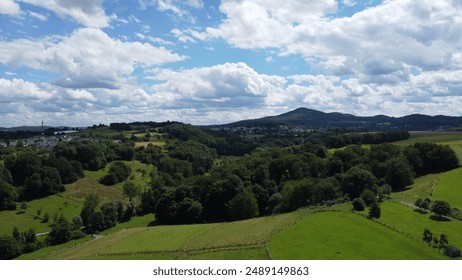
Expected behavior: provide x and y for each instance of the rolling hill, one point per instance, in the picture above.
(313, 119)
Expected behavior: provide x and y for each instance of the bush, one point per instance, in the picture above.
(118, 172)
(374, 211)
(441, 208)
(358, 204)
(9, 248)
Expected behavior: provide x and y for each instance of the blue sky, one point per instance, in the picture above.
(81, 62)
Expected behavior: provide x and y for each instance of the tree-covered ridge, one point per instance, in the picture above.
(314, 119)
(284, 174)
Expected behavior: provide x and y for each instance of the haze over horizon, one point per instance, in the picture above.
(86, 62)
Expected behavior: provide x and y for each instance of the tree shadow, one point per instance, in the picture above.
(420, 211)
(152, 223)
(439, 218)
(402, 190)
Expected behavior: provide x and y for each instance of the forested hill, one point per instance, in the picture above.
(316, 119)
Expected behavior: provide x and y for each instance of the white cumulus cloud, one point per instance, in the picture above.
(380, 44)
(89, 13)
(229, 85)
(9, 7)
(88, 58)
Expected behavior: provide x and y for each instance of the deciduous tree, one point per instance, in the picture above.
(441, 208)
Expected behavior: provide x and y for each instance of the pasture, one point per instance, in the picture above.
(412, 223)
(140, 174)
(237, 240)
(449, 188)
(334, 233)
(423, 187)
(53, 205)
(345, 236)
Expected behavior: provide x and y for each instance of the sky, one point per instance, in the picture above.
(84, 62)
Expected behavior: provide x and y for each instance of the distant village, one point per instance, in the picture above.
(41, 142)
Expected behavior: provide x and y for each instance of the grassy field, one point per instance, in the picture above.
(237, 240)
(69, 203)
(304, 234)
(423, 187)
(50, 252)
(345, 236)
(331, 151)
(78, 190)
(51, 205)
(442, 186)
(159, 143)
(140, 174)
(409, 221)
(449, 188)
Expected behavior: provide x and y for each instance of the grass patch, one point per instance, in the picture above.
(423, 187)
(258, 253)
(140, 174)
(55, 252)
(134, 257)
(94, 247)
(449, 188)
(237, 240)
(155, 142)
(407, 220)
(244, 233)
(135, 222)
(345, 236)
(161, 238)
(88, 185)
(51, 205)
(49, 251)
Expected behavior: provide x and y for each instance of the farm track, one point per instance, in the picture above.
(95, 237)
(181, 252)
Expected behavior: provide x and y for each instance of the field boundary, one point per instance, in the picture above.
(399, 231)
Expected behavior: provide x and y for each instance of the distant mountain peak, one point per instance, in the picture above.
(314, 119)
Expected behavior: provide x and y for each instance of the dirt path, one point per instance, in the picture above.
(95, 237)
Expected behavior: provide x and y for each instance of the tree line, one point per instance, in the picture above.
(188, 188)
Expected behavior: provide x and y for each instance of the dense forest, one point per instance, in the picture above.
(201, 175)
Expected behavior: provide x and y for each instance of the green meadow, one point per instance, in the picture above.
(345, 236)
(423, 187)
(449, 188)
(333, 233)
(53, 205)
(236, 240)
(412, 223)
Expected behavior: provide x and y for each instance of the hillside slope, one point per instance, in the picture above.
(316, 119)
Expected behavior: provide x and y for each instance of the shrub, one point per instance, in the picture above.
(374, 211)
(358, 204)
